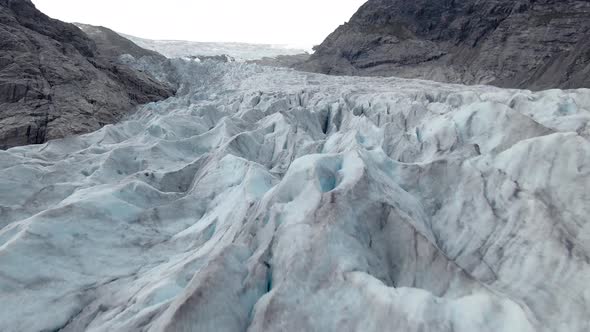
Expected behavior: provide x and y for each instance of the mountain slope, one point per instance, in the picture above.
(527, 44)
(264, 199)
(54, 82)
(113, 45)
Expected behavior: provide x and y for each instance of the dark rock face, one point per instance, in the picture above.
(533, 44)
(219, 58)
(55, 82)
(288, 61)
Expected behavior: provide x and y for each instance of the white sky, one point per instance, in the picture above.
(302, 23)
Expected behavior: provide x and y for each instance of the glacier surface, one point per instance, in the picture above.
(265, 199)
(238, 51)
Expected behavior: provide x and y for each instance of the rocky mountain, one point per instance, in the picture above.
(532, 44)
(266, 199)
(55, 81)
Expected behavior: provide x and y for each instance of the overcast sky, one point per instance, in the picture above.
(301, 23)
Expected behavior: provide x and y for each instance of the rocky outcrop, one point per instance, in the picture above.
(55, 82)
(287, 61)
(219, 58)
(532, 44)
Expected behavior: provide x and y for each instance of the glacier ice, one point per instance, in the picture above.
(237, 51)
(265, 199)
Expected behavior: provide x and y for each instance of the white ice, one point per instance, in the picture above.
(238, 51)
(263, 199)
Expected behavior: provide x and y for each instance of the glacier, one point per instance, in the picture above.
(238, 51)
(266, 199)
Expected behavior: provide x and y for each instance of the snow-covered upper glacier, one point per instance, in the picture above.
(238, 51)
(264, 199)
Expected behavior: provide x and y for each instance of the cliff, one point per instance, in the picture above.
(534, 44)
(55, 82)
